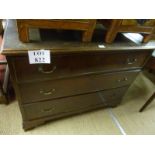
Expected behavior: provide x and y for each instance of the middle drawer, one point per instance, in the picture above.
(37, 91)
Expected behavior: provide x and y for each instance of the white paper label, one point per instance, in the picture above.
(39, 57)
(101, 46)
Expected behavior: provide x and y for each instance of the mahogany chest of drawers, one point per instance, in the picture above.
(80, 78)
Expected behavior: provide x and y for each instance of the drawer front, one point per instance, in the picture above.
(77, 64)
(73, 104)
(32, 92)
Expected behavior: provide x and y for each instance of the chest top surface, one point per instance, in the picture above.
(66, 44)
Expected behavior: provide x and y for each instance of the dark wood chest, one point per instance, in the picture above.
(80, 78)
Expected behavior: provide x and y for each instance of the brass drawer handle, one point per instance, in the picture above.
(40, 69)
(122, 80)
(131, 61)
(50, 92)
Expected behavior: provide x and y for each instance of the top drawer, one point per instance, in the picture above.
(77, 64)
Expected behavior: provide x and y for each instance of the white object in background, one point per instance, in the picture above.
(39, 57)
(153, 54)
(101, 46)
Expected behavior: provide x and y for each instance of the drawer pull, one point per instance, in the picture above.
(40, 69)
(50, 92)
(48, 110)
(131, 61)
(122, 80)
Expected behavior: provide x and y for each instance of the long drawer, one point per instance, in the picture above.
(74, 104)
(77, 64)
(37, 91)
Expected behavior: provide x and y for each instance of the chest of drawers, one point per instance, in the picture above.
(80, 78)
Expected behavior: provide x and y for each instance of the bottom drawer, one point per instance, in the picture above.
(80, 103)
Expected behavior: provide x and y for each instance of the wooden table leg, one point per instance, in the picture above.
(147, 102)
(87, 34)
(4, 85)
(113, 30)
(148, 37)
(23, 32)
(1, 27)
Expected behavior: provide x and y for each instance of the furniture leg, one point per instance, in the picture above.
(112, 31)
(1, 27)
(147, 102)
(23, 33)
(148, 37)
(5, 83)
(6, 79)
(87, 35)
